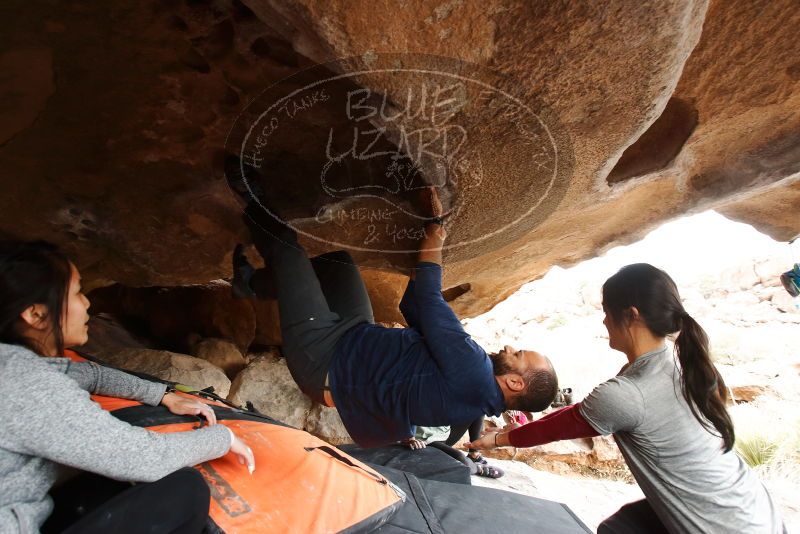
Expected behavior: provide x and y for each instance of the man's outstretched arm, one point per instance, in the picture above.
(430, 248)
(408, 305)
(448, 342)
(430, 252)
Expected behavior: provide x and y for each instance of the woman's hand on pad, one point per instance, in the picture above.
(180, 405)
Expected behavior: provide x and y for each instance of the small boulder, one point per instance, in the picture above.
(605, 449)
(785, 302)
(592, 296)
(326, 424)
(769, 271)
(736, 303)
(221, 353)
(266, 383)
(170, 366)
(741, 277)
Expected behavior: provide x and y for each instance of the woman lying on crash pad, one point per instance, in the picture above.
(48, 421)
(668, 416)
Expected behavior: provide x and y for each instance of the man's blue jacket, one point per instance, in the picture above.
(385, 381)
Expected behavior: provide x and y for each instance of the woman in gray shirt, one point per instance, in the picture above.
(668, 417)
(47, 419)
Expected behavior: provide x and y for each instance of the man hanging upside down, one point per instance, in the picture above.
(384, 381)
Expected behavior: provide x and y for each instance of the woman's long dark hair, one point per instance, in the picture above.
(655, 295)
(32, 272)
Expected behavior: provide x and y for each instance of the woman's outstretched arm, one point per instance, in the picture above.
(101, 380)
(47, 415)
(566, 423)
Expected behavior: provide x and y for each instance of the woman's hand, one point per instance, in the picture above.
(511, 426)
(489, 440)
(185, 406)
(243, 453)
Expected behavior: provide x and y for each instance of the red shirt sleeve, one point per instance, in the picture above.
(566, 423)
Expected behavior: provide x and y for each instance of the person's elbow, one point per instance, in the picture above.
(407, 311)
(155, 471)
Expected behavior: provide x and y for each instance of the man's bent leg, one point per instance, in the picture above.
(343, 286)
(296, 285)
(308, 326)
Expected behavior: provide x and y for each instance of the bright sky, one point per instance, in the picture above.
(691, 248)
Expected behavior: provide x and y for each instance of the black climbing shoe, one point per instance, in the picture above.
(242, 274)
(477, 458)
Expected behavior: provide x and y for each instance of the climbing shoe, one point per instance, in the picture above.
(488, 471)
(477, 458)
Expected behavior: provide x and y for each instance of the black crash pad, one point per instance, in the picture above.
(435, 507)
(429, 463)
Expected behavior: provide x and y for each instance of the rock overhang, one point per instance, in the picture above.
(120, 135)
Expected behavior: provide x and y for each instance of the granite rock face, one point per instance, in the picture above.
(600, 123)
(221, 353)
(689, 106)
(267, 384)
(171, 366)
(177, 315)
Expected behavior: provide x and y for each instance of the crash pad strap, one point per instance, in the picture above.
(424, 506)
(347, 461)
(146, 416)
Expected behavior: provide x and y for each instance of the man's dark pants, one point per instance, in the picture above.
(319, 300)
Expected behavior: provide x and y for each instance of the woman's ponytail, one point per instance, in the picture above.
(654, 294)
(702, 385)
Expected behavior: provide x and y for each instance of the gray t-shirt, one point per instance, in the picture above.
(681, 468)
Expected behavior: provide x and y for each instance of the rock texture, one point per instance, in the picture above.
(267, 384)
(177, 315)
(690, 133)
(222, 354)
(113, 135)
(570, 456)
(326, 424)
(750, 393)
(106, 332)
(170, 366)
